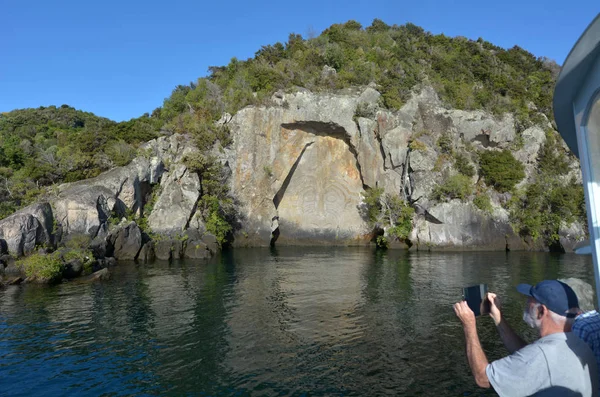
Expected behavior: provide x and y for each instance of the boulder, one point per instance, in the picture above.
(147, 254)
(196, 249)
(126, 242)
(73, 268)
(211, 242)
(180, 191)
(168, 249)
(465, 227)
(100, 275)
(129, 184)
(83, 208)
(21, 232)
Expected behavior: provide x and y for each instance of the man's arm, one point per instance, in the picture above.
(477, 359)
(511, 340)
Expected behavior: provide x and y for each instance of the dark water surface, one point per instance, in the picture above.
(295, 321)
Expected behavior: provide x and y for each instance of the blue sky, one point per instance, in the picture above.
(120, 59)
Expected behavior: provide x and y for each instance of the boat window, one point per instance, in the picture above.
(593, 134)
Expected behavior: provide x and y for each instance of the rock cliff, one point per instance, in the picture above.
(300, 167)
(298, 170)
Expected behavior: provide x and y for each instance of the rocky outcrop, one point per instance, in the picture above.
(299, 168)
(125, 242)
(466, 227)
(26, 229)
(83, 208)
(176, 204)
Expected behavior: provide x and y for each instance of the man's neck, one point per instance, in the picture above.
(552, 328)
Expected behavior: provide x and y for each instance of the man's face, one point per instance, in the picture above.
(530, 313)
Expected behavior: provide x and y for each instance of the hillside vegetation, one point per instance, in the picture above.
(46, 146)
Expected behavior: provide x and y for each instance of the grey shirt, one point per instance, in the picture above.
(556, 365)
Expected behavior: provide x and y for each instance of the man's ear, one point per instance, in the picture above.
(542, 310)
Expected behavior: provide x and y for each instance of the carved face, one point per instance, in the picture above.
(324, 191)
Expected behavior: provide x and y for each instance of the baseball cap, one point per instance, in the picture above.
(555, 295)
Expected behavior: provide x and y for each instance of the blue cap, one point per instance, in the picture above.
(555, 295)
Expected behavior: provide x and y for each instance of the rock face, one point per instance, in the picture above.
(176, 204)
(21, 232)
(299, 168)
(466, 227)
(82, 209)
(126, 242)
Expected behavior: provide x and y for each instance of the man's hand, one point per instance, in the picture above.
(495, 307)
(465, 314)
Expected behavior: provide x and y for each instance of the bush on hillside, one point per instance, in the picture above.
(455, 187)
(501, 170)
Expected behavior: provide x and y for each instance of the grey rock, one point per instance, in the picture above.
(168, 249)
(126, 242)
(196, 249)
(99, 247)
(465, 228)
(211, 242)
(72, 269)
(180, 191)
(395, 146)
(32, 226)
(100, 275)
(570, 235)
(147, 254)
(82, 209)
(110, 262)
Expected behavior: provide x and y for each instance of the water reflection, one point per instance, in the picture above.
(287, 321)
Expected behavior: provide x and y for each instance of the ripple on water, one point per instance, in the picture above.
(297, 321)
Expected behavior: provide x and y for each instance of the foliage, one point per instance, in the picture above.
(482, 201)
(77, 241)
(501, 170)
(445, 144)
(399, 215)
(372, 200)
(457, 186)
(549, 201)
(43, 267)
(83, 255)
(463, 165)
(416, 144)
(215, 207)
(48, 145)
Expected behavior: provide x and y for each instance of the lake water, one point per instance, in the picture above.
(291, 321)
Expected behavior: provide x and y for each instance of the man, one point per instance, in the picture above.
(558, 364)
(587, 323)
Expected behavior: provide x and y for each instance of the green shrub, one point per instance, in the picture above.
(501, 170)
(77, 242)
(463, 165)
(372, 200)
(416, 144)
(482, 201)
(382, 242)
(444, 142)
(43, 267)
(547, 203)
(400, 216)
(85, 256)
(457, 186)
(121, 153)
